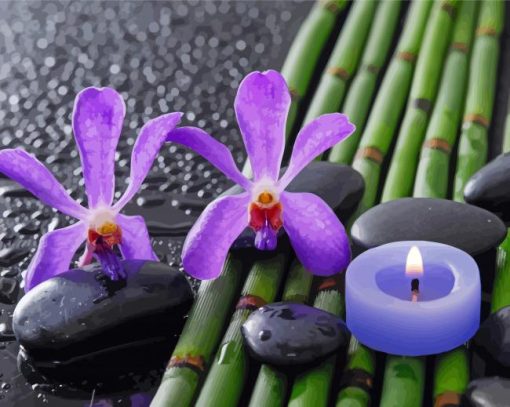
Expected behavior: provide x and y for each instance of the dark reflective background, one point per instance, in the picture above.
(163, 57)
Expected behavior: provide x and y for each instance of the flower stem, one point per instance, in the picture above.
(343, 61)
(362, 89)
(400, 178)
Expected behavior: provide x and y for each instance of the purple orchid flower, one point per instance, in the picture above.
(97, 123)
(319, 239)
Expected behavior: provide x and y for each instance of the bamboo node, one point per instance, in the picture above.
(437, 143)
(250, 302)
(406, 56)
(328, 284)
(489, 31)
(372, 69)
(357, 378)
(459, 46)
(370, 153)
(330, 5)
(449, 8)
(294, 95)
(448, 399)
(196, 363)
(339, 72)
(478, 119)
(423, 104)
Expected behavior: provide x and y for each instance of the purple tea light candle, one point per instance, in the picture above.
(413, 298)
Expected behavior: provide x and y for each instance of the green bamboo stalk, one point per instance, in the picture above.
(404, 379)
(451, 374)
(451, 377)
(199, 338)
(271, 386)
(400, 178)
(306, 49)
(362, 89)
(480, 95)
(312, 387)
(389, 103)
(224, 383)
(434, 165)
(358, 377)
(343, 61)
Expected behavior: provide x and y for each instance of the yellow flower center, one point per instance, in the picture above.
(107, 228)
(265, 198)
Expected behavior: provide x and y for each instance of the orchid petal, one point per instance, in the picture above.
(210, 238)
(54, 254)
(28, 171)
(262, 104)
(136, 242)
(211, 149)
(97, 122)
(315, 138)
(316, 234)
(146, 148)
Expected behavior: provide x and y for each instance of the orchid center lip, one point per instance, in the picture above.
(265, 198)
(102, 221)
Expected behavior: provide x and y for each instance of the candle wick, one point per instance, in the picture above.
(415, 289)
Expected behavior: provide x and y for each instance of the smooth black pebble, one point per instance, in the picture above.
(489, 188)
(9, 289)
(487, 392)
(288, 334)
(322, 179)
(469, 228)
(80, 327)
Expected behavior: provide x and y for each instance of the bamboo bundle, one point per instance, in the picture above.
(224, 383)
(312, 388)
(434, 165)
(271, 386)
(358, 377)
(389, 103)
(399, 182)
(306, 49)
(362, 89)
(451, 377)
(480, 95)
(199, 338)
(343, 61)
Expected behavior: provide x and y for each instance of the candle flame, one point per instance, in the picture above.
(414, 263)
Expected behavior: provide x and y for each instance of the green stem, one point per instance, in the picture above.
(451, 376)
(312, 388)
(363, 86)
(480, 95)
(400, 178)
(199, 338)
(271, 386)
(343, 61)
(389, 104)
(225, 381)
(404, 379)
(434, 165)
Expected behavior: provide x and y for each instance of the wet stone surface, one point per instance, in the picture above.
(487, 392)
(288, 334)
(489, 188)
(162, 57)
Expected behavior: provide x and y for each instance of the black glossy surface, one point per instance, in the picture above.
(288, 334)
(488, 392)
(489, 188)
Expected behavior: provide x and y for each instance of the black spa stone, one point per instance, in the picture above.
(339, 186)
(467, 227)
(79, 321)
(492, 342)
(288, 334)
(489, 188)
(488, 392)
